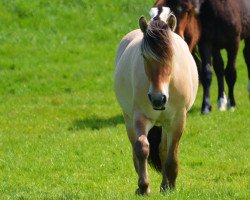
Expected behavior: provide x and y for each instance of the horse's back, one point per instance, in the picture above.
(223, 21)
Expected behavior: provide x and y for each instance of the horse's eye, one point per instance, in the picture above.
(179, 9)
(144, 57)
(189, 11)
(165, 27)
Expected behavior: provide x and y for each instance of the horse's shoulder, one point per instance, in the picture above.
(127, 41)
(178, 42)
(133, 34)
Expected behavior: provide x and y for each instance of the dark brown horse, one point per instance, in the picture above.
(188, 24)
(222, 25)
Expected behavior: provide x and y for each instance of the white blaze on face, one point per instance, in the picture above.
(163, 15)
(165, 91)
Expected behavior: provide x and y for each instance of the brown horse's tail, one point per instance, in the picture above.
(154, 138)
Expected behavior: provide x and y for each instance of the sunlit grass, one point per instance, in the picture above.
(61, 131)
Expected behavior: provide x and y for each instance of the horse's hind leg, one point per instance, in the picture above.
(197, 59)
(219, 71)
(246, 53)
(206, 75)
(230, 72)
(170, 165)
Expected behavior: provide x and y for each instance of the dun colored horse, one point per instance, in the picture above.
(222, 25)
(155, 83)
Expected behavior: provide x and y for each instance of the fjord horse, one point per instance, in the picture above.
(188, 24)
(222, 25)
(155, 83)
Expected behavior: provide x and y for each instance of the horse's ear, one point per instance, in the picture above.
(143, 24)
(197, 6)
(172, 21)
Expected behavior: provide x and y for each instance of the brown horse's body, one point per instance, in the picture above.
(156, 82)
(222, 25)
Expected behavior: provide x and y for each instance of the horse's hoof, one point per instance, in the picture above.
(166, 188)
(222, 103)
(206, 110)
(231, 109)
(143, 192)
(230, 106)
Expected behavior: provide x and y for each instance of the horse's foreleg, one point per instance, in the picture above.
(132, 136)
(230, 72)
(141, 152)
(206, 75)
(246, 52)
(170, 168)
(140, 148)
(219, 71)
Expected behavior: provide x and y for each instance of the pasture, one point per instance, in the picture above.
(62, 135)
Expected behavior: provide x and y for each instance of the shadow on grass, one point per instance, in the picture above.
(96, 123)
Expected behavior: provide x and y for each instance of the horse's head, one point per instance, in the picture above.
(185, 11)
(157, 53)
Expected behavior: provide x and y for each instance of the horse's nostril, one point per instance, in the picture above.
(158, 100)
(164, 99)
(150, 97)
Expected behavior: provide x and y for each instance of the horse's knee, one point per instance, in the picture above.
(206, 74)
(141, 147)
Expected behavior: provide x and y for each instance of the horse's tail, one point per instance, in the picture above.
(154, 138)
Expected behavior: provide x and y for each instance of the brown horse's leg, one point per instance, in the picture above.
(141, 152)
(246, 52)
(206, 75)
(170, 170)
(197, 58)
(230, 71)
(219, 71)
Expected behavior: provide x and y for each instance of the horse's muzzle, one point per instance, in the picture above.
(158, 101)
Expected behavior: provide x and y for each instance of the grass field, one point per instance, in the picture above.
(61, 130)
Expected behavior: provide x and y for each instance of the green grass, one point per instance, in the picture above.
(61, 131)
